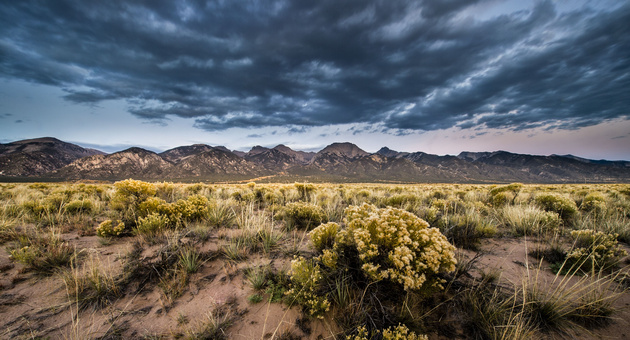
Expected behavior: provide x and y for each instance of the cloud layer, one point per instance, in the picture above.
(399, 65)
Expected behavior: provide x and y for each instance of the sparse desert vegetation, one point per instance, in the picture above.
(165, 260)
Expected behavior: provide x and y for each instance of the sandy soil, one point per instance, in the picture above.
(32, 305)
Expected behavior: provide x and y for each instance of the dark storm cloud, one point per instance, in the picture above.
(398, 65)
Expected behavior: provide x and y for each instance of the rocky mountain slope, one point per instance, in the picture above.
(131, 163)
(52, 159)
(34, 157)
(279, 158)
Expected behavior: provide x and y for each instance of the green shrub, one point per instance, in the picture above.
(500, 199)
(304, 190)
(302, 215)
(129, 195)
(430, 214)
(255, 298)
(165, 191)
(400, 200)
(195, 208)
(514, 189)
(91, 190)
(42, 253)
(109, 228)
(34, 208)
(594, 203)
(152, 224)
(221, 215)
(152, 205)
(11, 211)
(594, 250)
(448, 206)
(304, 289)
(195, 189)
(438, 194)
(466, 230)
(83, 206)
(131, 192)
(190, 260)
(529, 220)
(564, 207)
(55, 201)
(323, 236)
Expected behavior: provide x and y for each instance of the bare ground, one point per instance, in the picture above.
(35, 306)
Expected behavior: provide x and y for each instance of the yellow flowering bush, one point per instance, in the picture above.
(324, 236)
(594, 203)
(109, 228)
(500, 199)
(329, 258)
(566, 208)
(393, 244)
(514, 188)
(152, 205)
(305, 279)
(194, 208)
(131, 192)
(152, 224)
(595, 250)
(129, 195)
(302, 215)
(400, 332)
(503, 195)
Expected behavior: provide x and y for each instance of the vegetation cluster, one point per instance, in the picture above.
(377, 261)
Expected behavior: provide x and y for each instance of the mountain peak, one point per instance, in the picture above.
(387, 152)
(256, 150)
(39, 140)
(344, 149)
(222, 148)
(177, 154)
(283, 148)
(137, 150)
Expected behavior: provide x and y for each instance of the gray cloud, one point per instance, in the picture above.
(403, 66)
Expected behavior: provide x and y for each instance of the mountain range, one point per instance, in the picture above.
(52, 159)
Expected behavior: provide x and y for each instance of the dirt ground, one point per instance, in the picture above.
(34, 306)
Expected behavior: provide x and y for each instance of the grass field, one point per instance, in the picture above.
(314, 261)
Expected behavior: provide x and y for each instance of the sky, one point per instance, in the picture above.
(442, 77)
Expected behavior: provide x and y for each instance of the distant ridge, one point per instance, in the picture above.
(49, 158)
(343, 149)
(133, 162)
(35, 157)
(177, 154)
